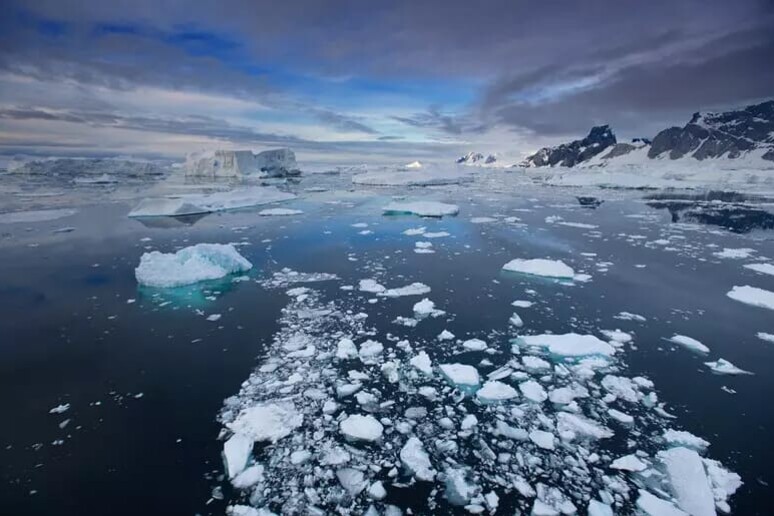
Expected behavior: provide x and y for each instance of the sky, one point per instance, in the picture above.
(364, 81)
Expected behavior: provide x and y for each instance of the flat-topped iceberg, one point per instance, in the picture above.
(461, 375)
(421, 208)
(192, 264)
(267, 421)
(541, 267)
(239, 163)
(752, 296)
(569, 344)
(206, 203)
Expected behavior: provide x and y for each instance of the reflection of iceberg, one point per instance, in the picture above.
(206, 203)
(171, 222)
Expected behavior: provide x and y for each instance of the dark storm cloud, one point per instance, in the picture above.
(553, 68)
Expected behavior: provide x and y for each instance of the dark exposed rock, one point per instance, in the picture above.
(476, 158)
(578, 151)
(712, 135)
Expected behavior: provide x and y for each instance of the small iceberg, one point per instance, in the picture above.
(723, 366)
(189, 265)
(421, 208)
(571, 345)
(690, 343)
(752, 296)
(554, 269)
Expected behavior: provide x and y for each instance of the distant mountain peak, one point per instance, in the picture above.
(476, 158)
(570, 154)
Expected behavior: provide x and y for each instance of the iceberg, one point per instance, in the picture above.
(416, 460)
(361, 428)
(752, 296)
(240, 163)
(569, 344)
(723, 366)
(236, 453)
(541, 267)
(461, 375)
(267, 422)
(421, 208)
(192, 264)
(690, 343)
(688, 479)
(194, 204)
(494, 391)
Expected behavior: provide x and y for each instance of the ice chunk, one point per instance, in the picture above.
(542, 438)
(768, 337)
(621, 417)
(361, 428)
(415, 289)
(723, 366)
(685, 439)
(421, 208)
(724, 483)
(416, 460)
(461, 375)
(628, 463)
(445, 335)
(494, 391)
(752, 296)
(653, 506)
(735, 254)
(352, 480)
(763, 268)
(60, 409)
(370, 285)
(540, 267)
(597, 508)
(370, 351)
(346, 349)
(617, 336)
(516, 321)
(267, 421)
(236, 453)
(376, 491)
(422, 363)
(278, 212)
(689, 482)
(569, 344)
(424, 308)
(474, 345)
(249, 477)
(690, 343)
(25, 217)
(246, 510)
(573, 425)
(459, 489)
(533, 391)
(190, 265)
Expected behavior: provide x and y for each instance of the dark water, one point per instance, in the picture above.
(67, 334)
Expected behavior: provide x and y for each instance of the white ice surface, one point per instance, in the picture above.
(192, 264)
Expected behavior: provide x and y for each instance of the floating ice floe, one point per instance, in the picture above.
(192, 264)
(206, 203)
(414, 177)
(629, 463)
(554, 269)
(723, 366)
(494, 391)
(278, 212)
(752, 296)
(414, 289)
(690, 343)
(267, 421)
(768, 337)
(569, 344)
(763, 268)
(19, 217)
(416, 460)
(688, 480)
(421, 208)
(361, 428)
(734, 254)
(236, 453)
(461, 375)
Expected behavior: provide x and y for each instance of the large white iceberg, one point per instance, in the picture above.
(540, 267)
(239, 163)
(192, 264)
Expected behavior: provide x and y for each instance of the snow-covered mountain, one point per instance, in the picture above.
(477, 159)
(575, 152)
(746, 135)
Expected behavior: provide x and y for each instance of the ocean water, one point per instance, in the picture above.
(146, 379)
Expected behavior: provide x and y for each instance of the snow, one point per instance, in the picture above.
(494, 391)
(19, 217)
(752, 296)
(690, 343)
(267, 421)
(189, 265)
(236, 453)
(416, 460)
(461, 375)
(723, 366)
(629, 463)
(540, 267)
(278, 212)
(763, 268)
(569, 344)
(688, 479)
(421, 208)
(191, 204)
(361, 428)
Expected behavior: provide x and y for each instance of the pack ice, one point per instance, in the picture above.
(192, 264)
